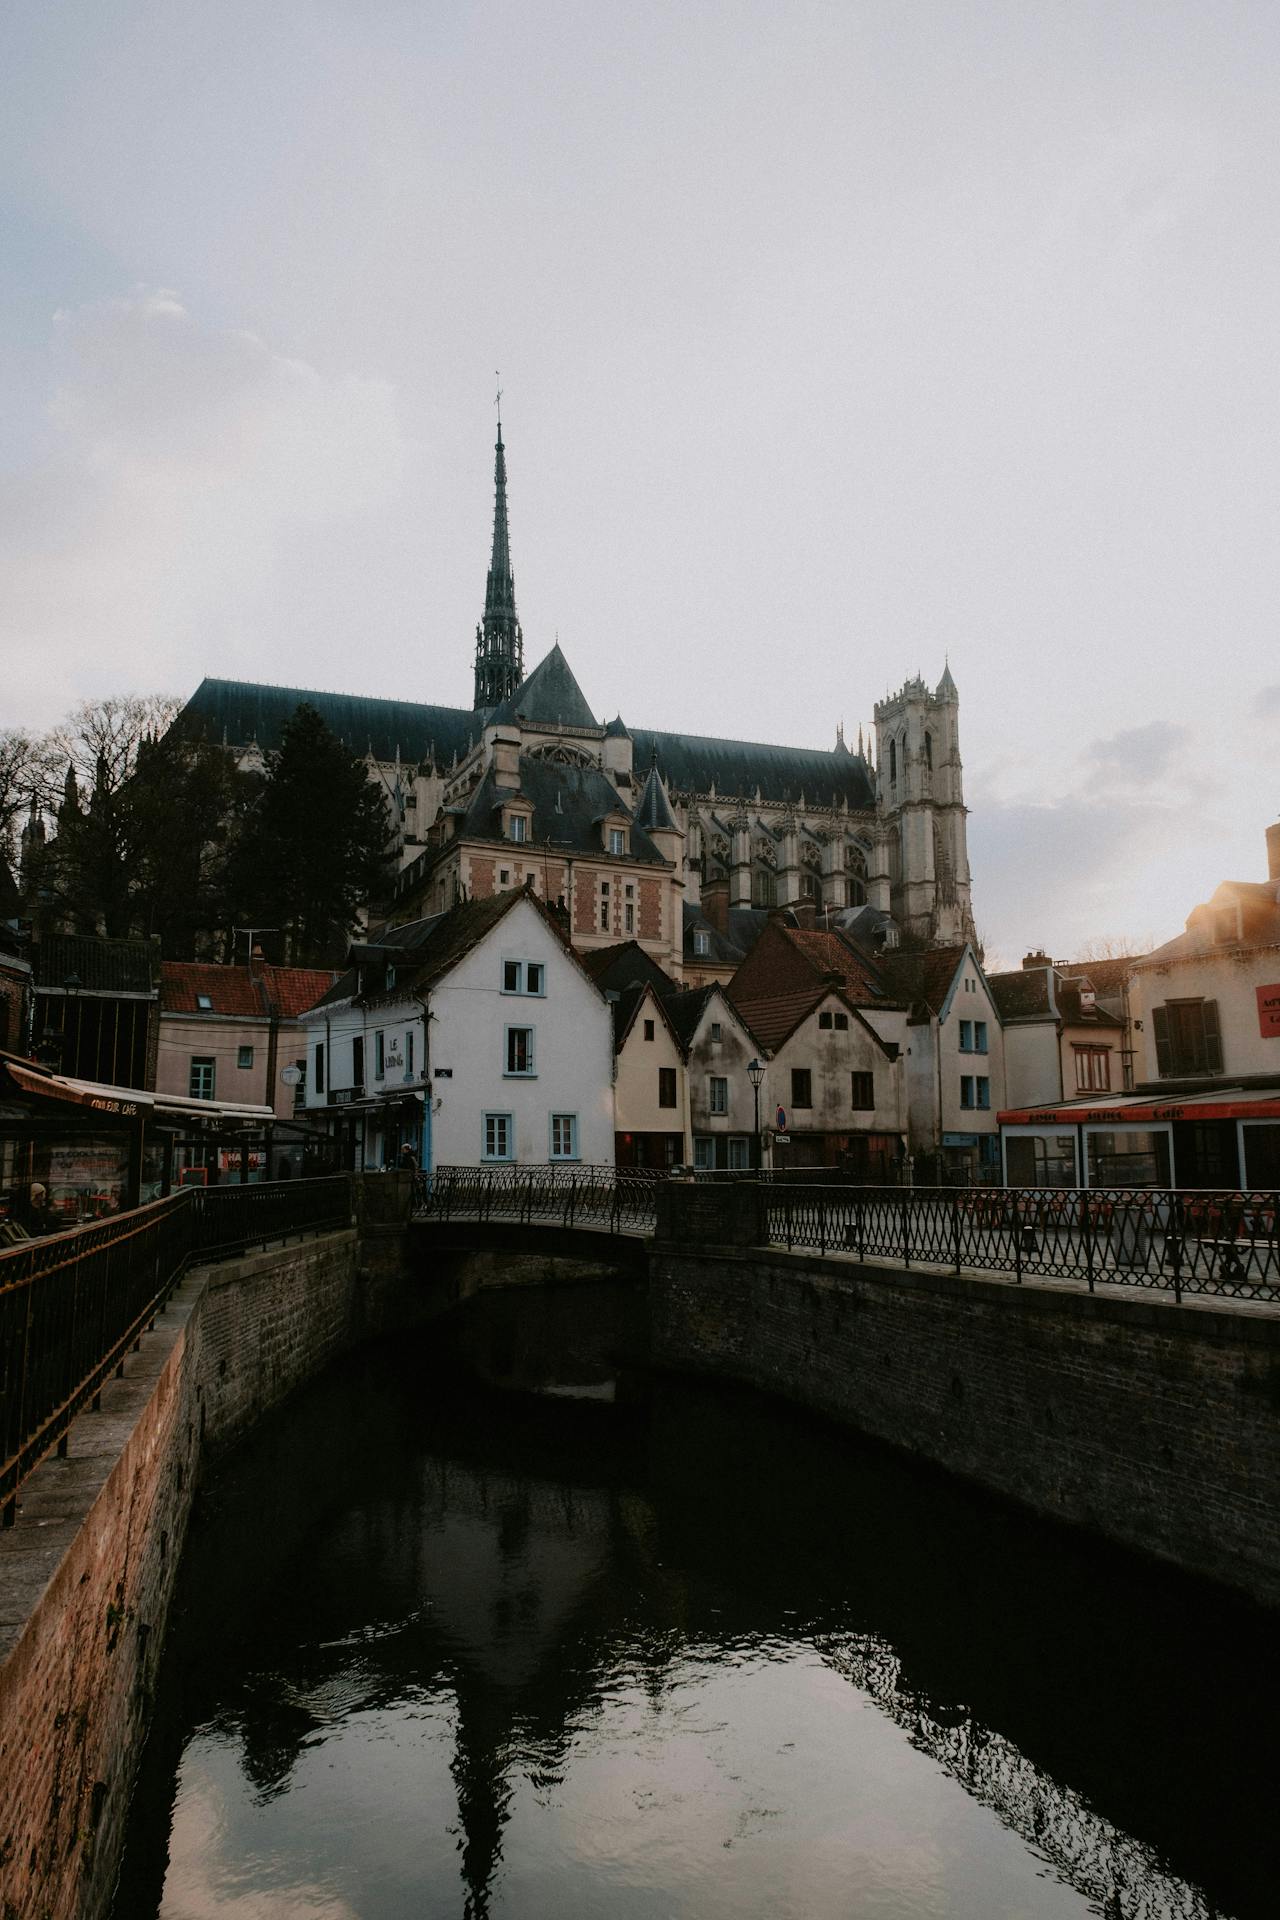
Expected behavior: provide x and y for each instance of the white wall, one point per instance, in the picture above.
(1033, 1064)
(832, 1056)
(573, 1050)
(636, 1108)
(1229, 975)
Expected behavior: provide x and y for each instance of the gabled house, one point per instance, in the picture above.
(728, 1115)
(230, 1033)
(650, 1087)
(1059, 1040)
(948, 1021)
(474, 1037)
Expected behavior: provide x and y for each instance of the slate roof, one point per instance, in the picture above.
(568, 803)
(919, 979)
(1022, 993)
(696, 762)
(547, 696)
(103, 967)
(235, 992)
(654, 809)
(626, 964)
(436, 944)
(244, 710)
(1108, 976)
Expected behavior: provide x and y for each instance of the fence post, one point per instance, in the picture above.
(1179, 1243)
(1016, 1209)
(906, 1226)
(955, 1227)
(822, 1222)
(1088, 1237)
(790, 1241)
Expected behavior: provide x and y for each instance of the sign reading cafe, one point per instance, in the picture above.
(1269, 1012)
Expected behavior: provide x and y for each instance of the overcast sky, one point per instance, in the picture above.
(835, 339)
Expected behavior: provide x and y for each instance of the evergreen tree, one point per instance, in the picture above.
(312, 845)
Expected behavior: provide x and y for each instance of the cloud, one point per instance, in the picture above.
(190, 472)
(1138, 756)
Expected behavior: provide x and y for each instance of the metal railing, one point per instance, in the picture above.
(73, 1304)
(1184, 1241)
(620, 1199)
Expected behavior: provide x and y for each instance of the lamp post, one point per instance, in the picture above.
(755, 1073)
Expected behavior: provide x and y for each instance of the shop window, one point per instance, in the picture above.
(202, 1078)
(519, 1052)
(564, 1136)
(497, 1136)
(666, 1086)
(801, 1087)
(717, 1094)
(244, 1056)
(864, 1092)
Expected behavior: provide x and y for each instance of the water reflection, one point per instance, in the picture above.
(455, 1655)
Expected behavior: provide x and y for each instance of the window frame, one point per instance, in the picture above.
(529, 1071)
(868, 1087)
(357, 1060)
(571, 1152)
(718, 1095)
(668, 1083)
(497, 1119)
(379, 1055)
(1088, 1059)
(617, 843)
(202, 1063)
(802, 1089)
(244, 1059)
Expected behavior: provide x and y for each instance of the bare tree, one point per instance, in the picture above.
(25, 766)
(100, 739)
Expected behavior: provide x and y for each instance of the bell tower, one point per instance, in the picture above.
(924, 852)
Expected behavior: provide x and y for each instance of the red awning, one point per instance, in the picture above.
(124, 1103)
(1140, 1113)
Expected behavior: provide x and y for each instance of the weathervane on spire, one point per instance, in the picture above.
(498, 403)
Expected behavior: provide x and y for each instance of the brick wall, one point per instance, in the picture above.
(1153, 1425)
(87, 1574)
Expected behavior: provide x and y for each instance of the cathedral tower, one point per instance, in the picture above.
(499, 641)
(922, 868)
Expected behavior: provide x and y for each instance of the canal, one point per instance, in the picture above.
(443, 1652)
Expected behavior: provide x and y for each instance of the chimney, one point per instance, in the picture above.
(715, 903)
(1273, 852)
(1033, 960)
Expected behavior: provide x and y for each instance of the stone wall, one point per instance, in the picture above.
(87, 1574)
(1155, 1425)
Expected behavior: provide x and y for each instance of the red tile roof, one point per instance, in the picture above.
(235, 993)
(786, 974)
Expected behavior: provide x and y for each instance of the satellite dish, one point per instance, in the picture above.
(292, 1076)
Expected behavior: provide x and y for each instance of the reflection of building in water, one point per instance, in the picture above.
(1083, 1849)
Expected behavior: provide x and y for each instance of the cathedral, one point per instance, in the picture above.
(680, 841)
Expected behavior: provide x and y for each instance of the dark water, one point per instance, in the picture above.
(445, 1653)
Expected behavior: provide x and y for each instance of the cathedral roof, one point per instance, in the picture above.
(568, 805)
(550, 696)
(694, 762)
(244, 710)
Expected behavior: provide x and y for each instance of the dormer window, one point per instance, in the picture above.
(517, 827)
(616, 841)
(701, 942)
(204, 1002)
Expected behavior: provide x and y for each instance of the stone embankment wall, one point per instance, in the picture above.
(87, 1574)
(1155, 1425)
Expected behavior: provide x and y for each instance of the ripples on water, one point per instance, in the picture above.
(444, 1653)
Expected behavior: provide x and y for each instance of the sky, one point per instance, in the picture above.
(837, 341)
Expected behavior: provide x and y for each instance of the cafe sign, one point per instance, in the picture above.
(1269, 1012)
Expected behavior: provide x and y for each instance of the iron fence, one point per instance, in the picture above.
(73, 1304)
(620, 1199)
(1186, 1241)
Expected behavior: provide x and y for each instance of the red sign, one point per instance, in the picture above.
(1269, 1012)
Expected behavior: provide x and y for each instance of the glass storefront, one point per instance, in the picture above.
(1127, 1157)
(1040, 1159)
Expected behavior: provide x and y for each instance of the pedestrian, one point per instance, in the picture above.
(34, 1212)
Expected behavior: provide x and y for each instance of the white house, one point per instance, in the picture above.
(475, 1037)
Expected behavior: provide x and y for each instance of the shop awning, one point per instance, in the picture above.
(1136, 1110)
(128, 1102)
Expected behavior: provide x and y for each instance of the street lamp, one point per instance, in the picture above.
(755, 1074)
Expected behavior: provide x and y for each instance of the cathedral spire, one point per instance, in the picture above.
(499, 641)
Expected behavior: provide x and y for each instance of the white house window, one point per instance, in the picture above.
(244, 1056)
(701, 941)
(564, 1136)
(717, 1094)
(519, 1051)
(516, 826)
(523, 976)
(201, 1083)
(204, 1002)
(379, 1055)
(617, 840)
(497, 1136)
(715, 1030)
